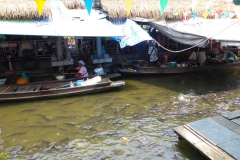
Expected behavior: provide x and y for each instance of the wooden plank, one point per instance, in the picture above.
(216, 148)
(186, 134)
(232, 115)
(38, 87)
(4, 89)
(213, 131)
(226, 123)
(237, 121)
(26, 88)
(31, 88)
(20, 88)
(205, 148)
(232, 147)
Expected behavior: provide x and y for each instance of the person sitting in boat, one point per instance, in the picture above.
(152, 51)
(80, 71)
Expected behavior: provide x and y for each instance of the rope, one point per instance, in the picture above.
(198, 43)
(6, 89)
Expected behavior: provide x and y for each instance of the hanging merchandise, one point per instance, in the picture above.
(163, 4)
(40, 5)
(88, 4)
(129, 4)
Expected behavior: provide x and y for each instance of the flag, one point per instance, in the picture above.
(40, 5)
(205, 14)
(194, 15)
(88, 4)
(163, 4)
(129, 4)
(219, 12)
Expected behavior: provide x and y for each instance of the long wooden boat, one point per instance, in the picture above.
(136, 70)
(53, 89)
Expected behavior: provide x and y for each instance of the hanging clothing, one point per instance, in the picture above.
(153, 53)
(193, 56)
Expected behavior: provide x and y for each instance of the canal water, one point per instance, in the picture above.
(144, 111)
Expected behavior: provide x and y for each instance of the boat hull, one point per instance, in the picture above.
(168, 70)
(21, 92)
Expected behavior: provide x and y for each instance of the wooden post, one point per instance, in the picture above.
(99, 49)
(59, 51)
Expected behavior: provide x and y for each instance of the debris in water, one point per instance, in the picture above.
(125, 140)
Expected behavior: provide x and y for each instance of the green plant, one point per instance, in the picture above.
(3, 156)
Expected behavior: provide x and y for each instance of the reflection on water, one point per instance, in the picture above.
(144, 111)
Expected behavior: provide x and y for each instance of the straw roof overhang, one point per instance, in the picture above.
(22, 9)
(150, 9)
(74, 4)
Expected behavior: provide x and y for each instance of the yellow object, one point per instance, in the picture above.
(130, 69)
(22, 81)
(205, 15)
(40, 5)
(129, 4)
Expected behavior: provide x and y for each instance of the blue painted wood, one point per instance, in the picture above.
(228, 124)
(232, 115)
(236, 121)
(213, 131)
(231, 147)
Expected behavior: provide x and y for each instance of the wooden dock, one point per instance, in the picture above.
(217, 137)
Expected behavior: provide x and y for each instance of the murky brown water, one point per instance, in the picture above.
(145, 111)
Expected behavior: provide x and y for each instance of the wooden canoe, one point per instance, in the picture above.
(135, 69)
(52, 89)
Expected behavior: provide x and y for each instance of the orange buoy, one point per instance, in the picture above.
(22, 81)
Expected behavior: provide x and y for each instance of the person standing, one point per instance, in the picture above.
(152, 51)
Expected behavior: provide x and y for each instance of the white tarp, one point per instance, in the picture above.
(26, 27)
(132, 34)
(63, 23)
(192, 32)
(76, 23)
(79, 23)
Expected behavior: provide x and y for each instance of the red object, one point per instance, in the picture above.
(220, 12)
(79, 75)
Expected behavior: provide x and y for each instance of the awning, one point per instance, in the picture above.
(25, 27)
(76, 23)
(63, 23)
(192, 32)
(88, 28)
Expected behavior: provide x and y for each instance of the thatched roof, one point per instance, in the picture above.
(74, 4)
(22, 9)
(176, 9)
(149, 9)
